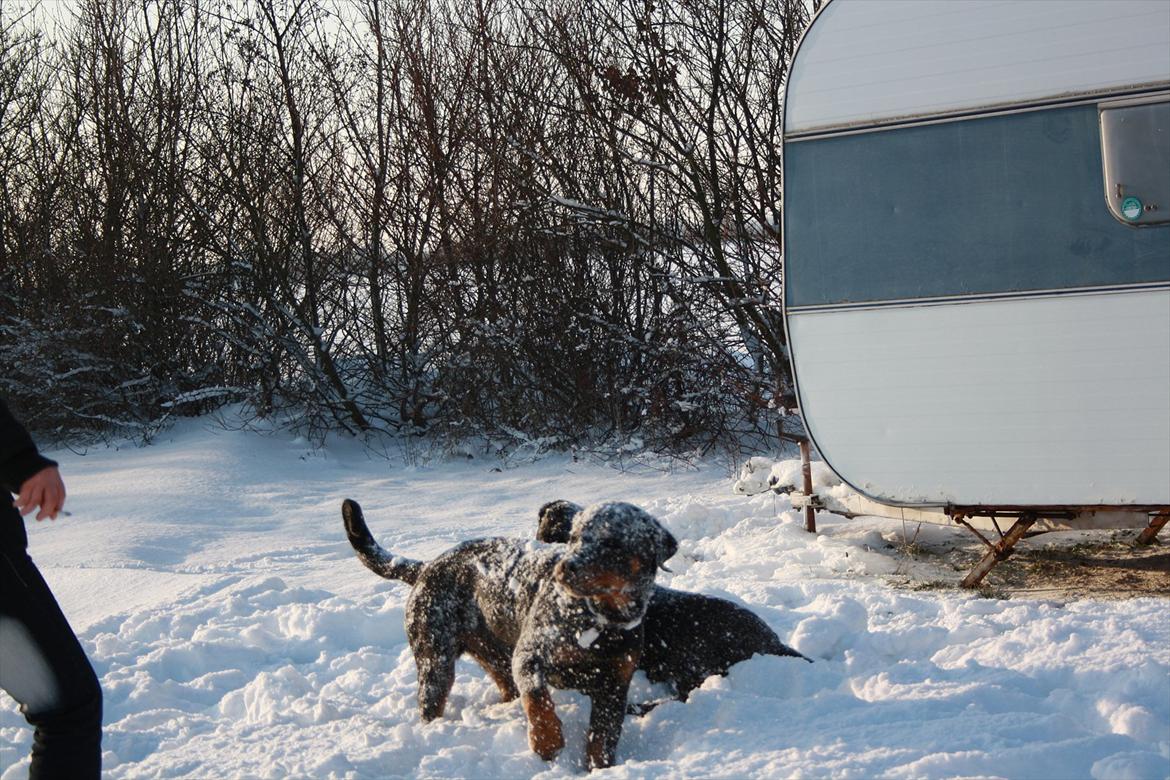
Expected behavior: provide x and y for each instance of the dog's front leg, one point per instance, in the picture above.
(605, 722)
(544, 727)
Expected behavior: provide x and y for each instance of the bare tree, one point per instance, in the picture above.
(531, 223)
(686, 97)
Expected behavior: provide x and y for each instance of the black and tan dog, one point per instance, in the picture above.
(566, 617)
(688, 636)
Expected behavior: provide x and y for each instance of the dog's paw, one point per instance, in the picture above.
(544, 727)
(547, 739)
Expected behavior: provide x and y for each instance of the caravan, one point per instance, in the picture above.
(977, 252)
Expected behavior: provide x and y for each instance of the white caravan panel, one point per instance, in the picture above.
(866, 62)
(1040, 401)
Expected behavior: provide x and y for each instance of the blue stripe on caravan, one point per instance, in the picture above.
(997, 204)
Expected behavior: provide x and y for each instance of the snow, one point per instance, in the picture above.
(236, 634)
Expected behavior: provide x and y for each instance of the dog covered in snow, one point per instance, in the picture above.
(688, 636)
(566, 617)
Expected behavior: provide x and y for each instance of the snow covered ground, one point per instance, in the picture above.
(236, 635)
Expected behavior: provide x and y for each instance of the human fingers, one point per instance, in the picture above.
(45, 490)
(55, 494)
(51, 500)
(30, 496)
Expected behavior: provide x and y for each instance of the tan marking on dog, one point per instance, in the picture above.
(617, 602)
(608, 588)
(544, 727)
(626, 666)
(505, 684)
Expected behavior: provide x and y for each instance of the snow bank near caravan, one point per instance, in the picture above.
(236, 635)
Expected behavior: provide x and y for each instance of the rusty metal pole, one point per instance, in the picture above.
(1156, 522)
(810, 514)
(999, 551)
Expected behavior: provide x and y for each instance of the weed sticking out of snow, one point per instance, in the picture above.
(236, 635)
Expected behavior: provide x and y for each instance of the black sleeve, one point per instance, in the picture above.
(19, 459)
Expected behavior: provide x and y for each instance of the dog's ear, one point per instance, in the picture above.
(667, 546)
(556, 521)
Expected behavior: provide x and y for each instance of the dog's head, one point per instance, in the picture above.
(614, 551)
(556, 521)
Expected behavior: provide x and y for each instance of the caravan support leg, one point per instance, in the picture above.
(1156, 523)
(999, 551)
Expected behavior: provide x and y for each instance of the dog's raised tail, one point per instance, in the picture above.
(370, 553)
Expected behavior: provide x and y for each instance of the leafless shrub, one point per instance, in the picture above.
(535, 223)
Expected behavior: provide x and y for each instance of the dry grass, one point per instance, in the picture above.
(1091, 564)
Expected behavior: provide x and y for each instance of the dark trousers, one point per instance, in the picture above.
(43, 667)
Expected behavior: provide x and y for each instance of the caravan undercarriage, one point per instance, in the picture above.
(1025, 520)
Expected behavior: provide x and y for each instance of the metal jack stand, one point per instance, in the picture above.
(1156, 522)
(998, 551)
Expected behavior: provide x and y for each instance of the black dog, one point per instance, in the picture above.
(569, 617)
(688, 636)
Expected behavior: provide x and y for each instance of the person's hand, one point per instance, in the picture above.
(45, 490)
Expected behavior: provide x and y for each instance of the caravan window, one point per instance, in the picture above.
(1135, 150)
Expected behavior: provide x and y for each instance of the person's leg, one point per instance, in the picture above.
(43, 667)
